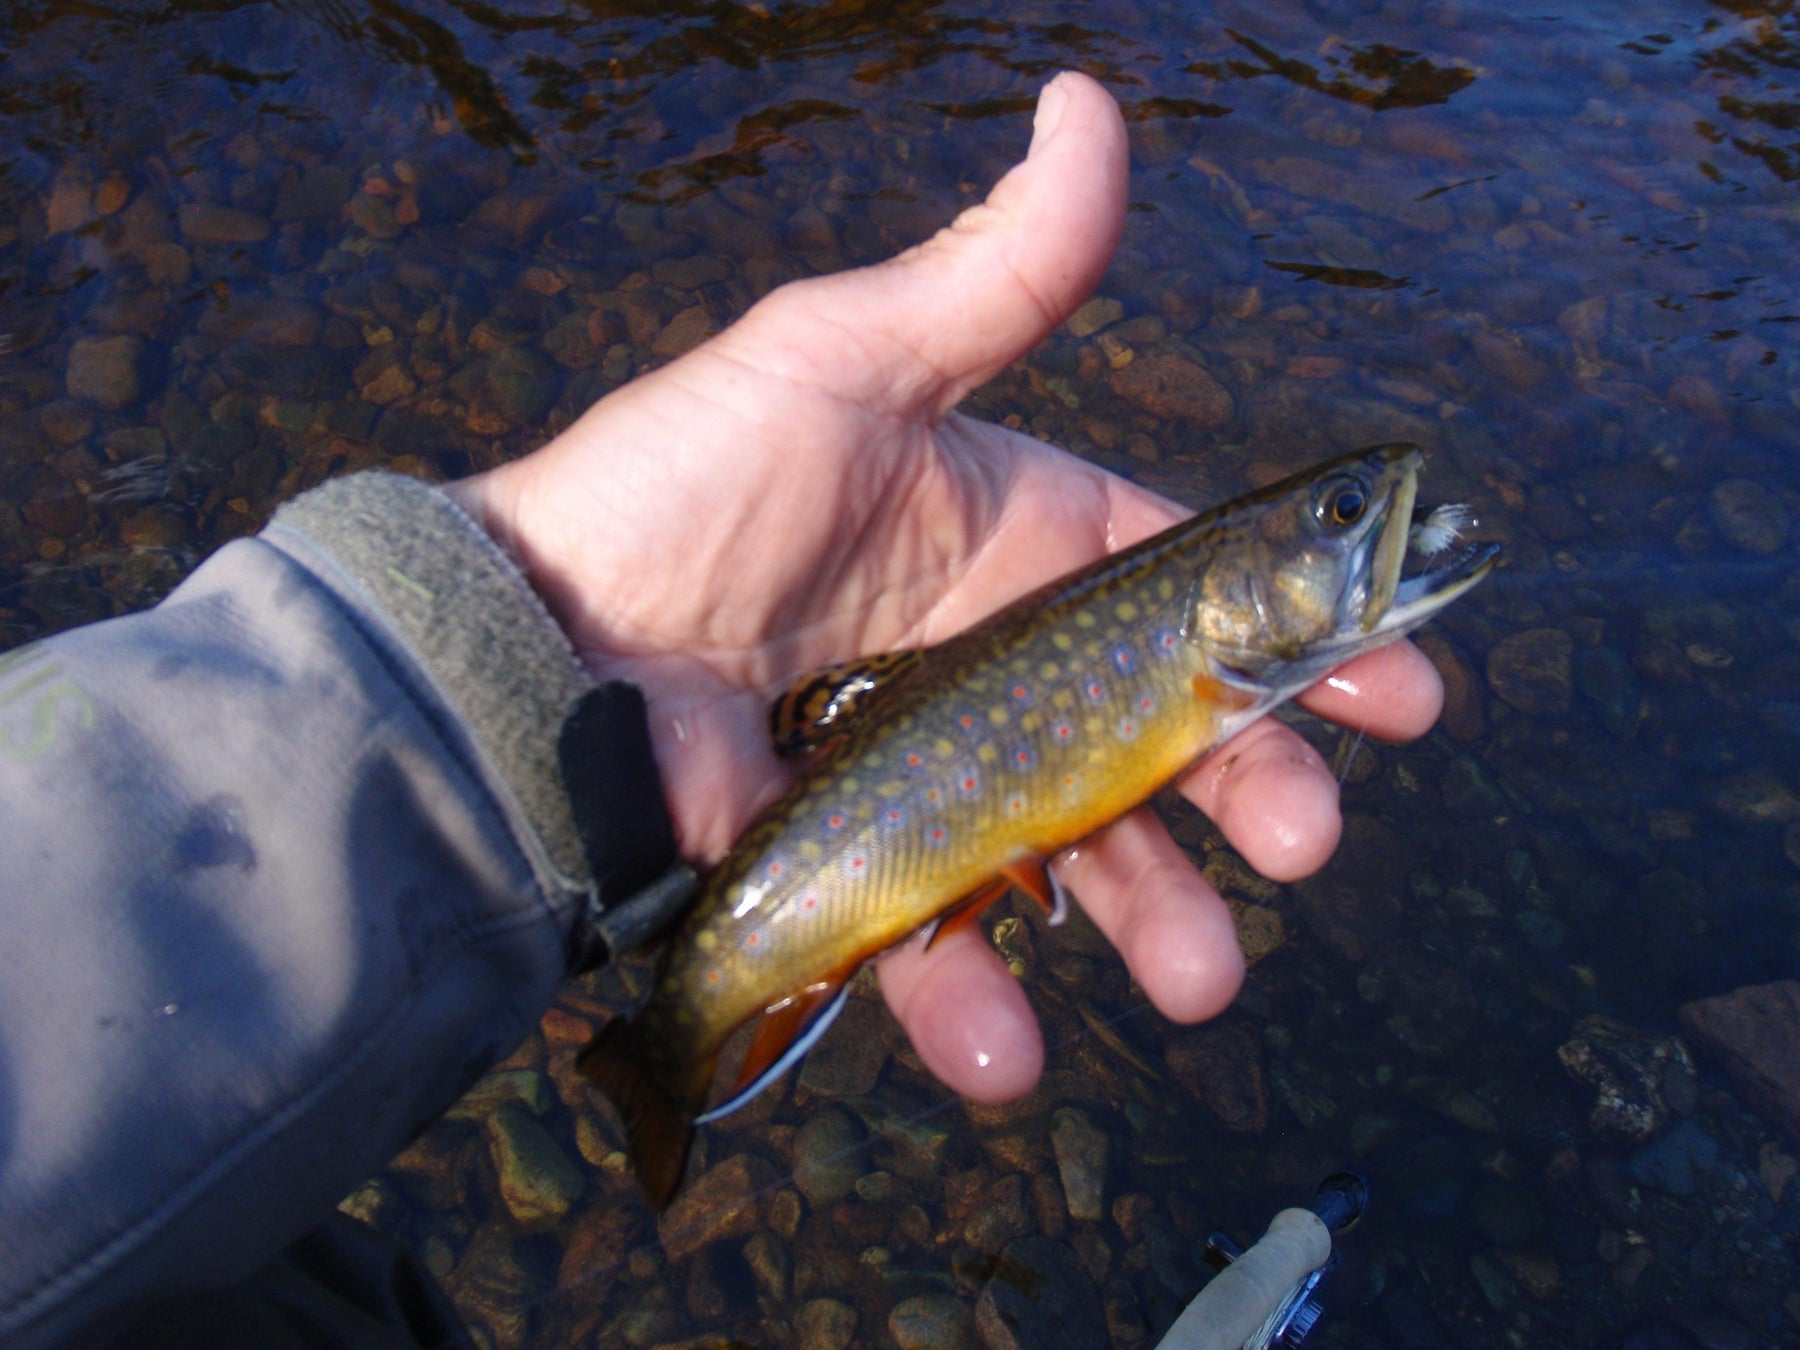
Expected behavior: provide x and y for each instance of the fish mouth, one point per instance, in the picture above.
(1413, 570)
(1407, 589)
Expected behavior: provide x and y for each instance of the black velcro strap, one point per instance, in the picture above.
(616, 794)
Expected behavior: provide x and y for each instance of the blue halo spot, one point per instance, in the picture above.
(1020, 693)
(892, 818)
(1123, 659)
(1094, 689)
(1146, 702)
(1165, 642)
(937, 835)
(1064, 732)
(967, 781)
(1126, 729)
(1022, 759)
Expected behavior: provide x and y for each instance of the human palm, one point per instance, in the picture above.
(798, 491)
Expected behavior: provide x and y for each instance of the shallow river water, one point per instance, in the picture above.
(247, 246)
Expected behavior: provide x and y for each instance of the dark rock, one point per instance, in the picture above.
(1353, 904)
(1755, 1033)
(273, 320)
(931, 1322)
(290, 372)
(1750, 516)
(318, 194)
(849, 1060)
(1221, 1065)
(1507, 1213)
(825, 1324)
(1606, 678)
(1463, 718)
(830, 1153)
(1432, 1001)
(1081, 1155)
(1626, 1068)
(106, 371)
(522, 384)
(1168, 385)
(1039, 1297)
(1533, 671)
(720, 1204)
(1678, 1162)
(1508, 359)
(999, 1216)
(205, 224)
(1755, 798)
(538, 1183)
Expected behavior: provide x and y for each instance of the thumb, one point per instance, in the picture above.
(951, 313)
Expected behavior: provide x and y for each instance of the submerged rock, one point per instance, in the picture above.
(931, 1322)
(1081, 1156)
(1040, 1298)
(1749, 516)
(106, 371)
(1632, 1073)
(1534, 671)
(1754, 1032)
(1167, 385)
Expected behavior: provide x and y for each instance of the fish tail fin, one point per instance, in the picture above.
(658, 1118)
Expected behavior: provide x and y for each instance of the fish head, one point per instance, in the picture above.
(1316, 569)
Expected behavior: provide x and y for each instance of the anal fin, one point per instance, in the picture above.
(786, 1031)
(1034, 877)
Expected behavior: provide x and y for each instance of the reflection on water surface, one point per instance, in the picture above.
(249, 246)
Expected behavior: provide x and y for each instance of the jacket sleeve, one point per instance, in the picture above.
(285, 863)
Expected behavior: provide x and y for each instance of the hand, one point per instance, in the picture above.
(798, 490)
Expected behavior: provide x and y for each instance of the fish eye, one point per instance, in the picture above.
(1342, 504)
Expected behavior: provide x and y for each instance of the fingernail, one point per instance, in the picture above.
(1051, 103)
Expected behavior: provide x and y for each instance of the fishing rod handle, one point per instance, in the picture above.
(1235, 1304)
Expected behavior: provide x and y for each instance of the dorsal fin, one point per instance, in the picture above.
(824, 704)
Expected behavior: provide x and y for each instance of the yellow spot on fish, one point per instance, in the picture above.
(1165, 589)
(997, 715)
(872, 760)
(1049, 671)
(1062, 700)
(810, 850)
(1126, 611)
(1030, 722)
(706, 939)
(671, 984)
(986, 754)
(1085, 618)
(943, 749)
(849, 787)
(1062, 642)
(892, 788)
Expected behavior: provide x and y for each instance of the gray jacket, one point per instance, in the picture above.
(285, 863)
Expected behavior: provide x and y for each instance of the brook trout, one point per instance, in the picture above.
(945, 774)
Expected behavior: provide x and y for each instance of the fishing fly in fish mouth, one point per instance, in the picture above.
(940, 777)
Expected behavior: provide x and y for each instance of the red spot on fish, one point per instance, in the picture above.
(753, 939)
(1063, 731)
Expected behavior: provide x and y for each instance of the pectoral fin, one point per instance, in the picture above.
(824, 704)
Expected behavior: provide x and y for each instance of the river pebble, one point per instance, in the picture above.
(538, 1183)
(1039, 1298)
(931, 1322)
(1081, 1159)
(1749, 516)
(106, 371)
(1534, 671)
(1754, 1032)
